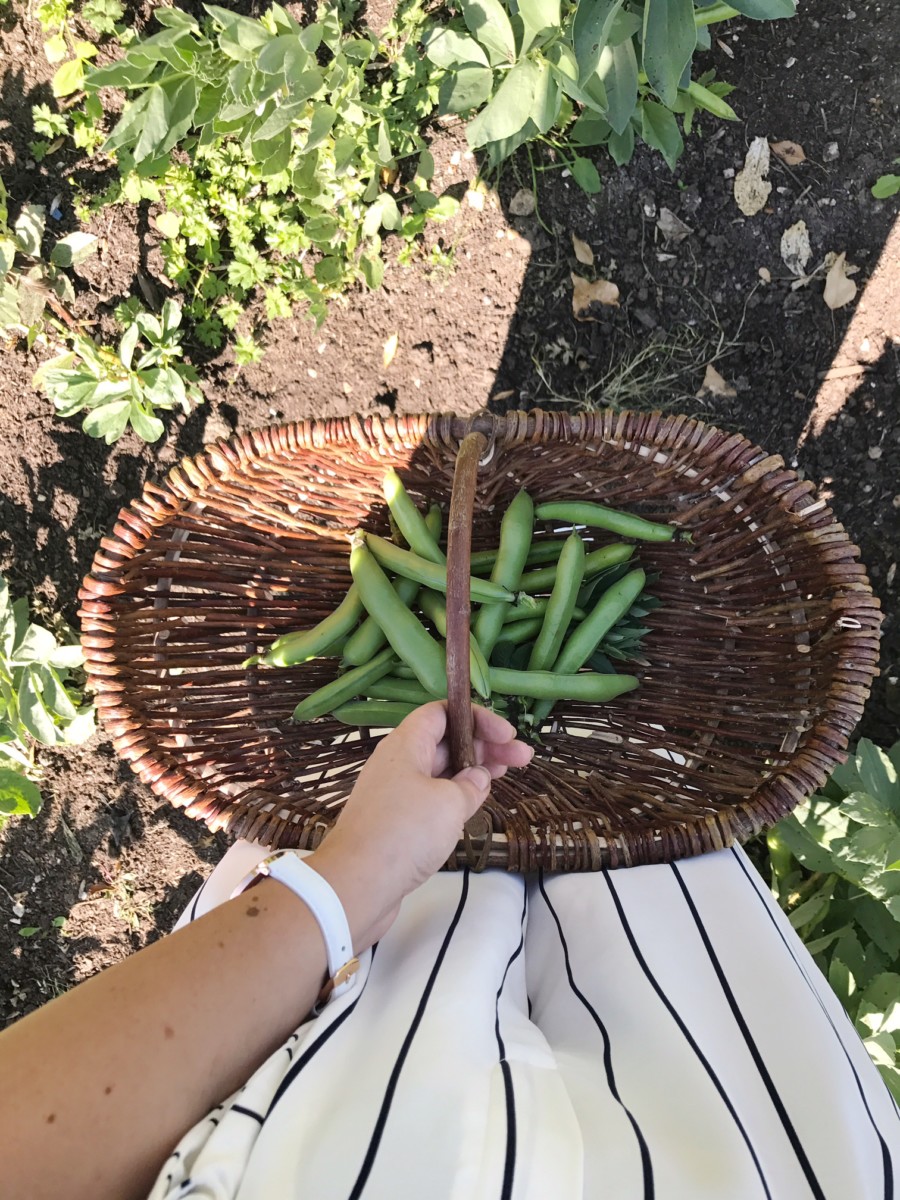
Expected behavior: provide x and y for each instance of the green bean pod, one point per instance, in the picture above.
(293, 648)
(598, 516)
(410, 521)
(432, 575)
(544, 578)
(546, 550)
(558, 616)
(370, 637)
(345, 687)
(536, 607)
(402, 671)
(515, 541)
(434, 606)
(410, 640)
(519, 632)
(547, 685)
(409, 691)
(578, 648)
(379, 714)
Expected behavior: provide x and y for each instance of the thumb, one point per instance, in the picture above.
(475, 783)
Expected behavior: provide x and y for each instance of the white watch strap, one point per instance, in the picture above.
(323, 902)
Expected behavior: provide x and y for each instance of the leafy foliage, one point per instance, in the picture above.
(291, 145)
(28, 283)
(598, 72)
(835, 869)
(40, 701)
(886, 186)
(117, 389)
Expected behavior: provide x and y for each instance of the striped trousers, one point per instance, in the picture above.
(658, 1033)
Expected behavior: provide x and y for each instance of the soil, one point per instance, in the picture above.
(494, 329)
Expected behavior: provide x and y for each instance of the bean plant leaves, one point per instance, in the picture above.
(670, 36)
(73, 249)
(510, 108)
(29, 228)
(618, 69)
(33, 712)
(545, 103)
(765, 10)
(536, 17)
(18, 795)
(659, 129)
(465, 89)
(878, 774)
(590, 32)
(448, 49)
(489, 22)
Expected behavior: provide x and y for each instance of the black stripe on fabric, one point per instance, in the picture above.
(646, 1164)
(777, 1102)
(885, 1152)
(509, 1163)
(307, 1054)
(714, 1079)
(247, 1112)
(200, 892)
(375, 1140)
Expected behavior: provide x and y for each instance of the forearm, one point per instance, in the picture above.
(99, 1085)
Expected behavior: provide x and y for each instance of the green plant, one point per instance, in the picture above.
(886, 186)
(41, 701)
(598, 72)
(29, 284)
(117, 389)
(296, 147)
(835, 869)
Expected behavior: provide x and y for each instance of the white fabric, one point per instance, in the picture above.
(658, 1033)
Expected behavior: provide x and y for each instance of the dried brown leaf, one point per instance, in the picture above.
(839, 290)
(791, 153)
(522, 203)
(672, 227)
(583, 252)
(751, 188)
(390, 349)
(585, 293)
(714, 383)
(795, 248)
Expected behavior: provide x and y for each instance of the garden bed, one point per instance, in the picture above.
(484, 320)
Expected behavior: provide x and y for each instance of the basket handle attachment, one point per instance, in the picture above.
(460, 731)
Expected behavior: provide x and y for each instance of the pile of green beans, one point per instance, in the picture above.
(542, 609)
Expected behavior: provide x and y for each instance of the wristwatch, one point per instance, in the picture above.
(287, 867)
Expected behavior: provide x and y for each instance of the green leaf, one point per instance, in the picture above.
(590, 32)
(285, 56)
(169, 224)
(886, 186)
(670, 36)
(240, 38)
(382, 212)
(18, 795)
(36, 646)
(29, 229)
(879, 1005)
(586, 175)
(765, 10)
(55, 696)
(69, 78)
(73, 248)
(144, 424)
(108, 421)
(320, 126)
(812, 910)
(882, 1049)
(448, 49)
(465, 89)
(878, 774)
(865, 809)
(508, 111)
(804, 846)
(154, 126)
(81, 727)
(537, 16)
(372, 267)
(33, 711)
(618, 70)
(622, 145)
(489, 22)
(659, 129)
(66, 658)
(545, 105)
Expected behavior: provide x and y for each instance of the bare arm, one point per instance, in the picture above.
(100, 1084)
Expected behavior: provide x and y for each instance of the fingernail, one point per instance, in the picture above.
(480, 776)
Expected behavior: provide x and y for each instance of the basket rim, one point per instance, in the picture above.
(825, 743)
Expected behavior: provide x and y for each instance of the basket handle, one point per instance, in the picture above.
(459, 547)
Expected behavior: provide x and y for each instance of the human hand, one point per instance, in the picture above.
(406, 814)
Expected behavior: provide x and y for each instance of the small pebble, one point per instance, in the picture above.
(831, 152)
(875, 452)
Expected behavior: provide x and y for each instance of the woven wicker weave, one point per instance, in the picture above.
(757, 668)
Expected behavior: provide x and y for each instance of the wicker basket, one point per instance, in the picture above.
(755, 674)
